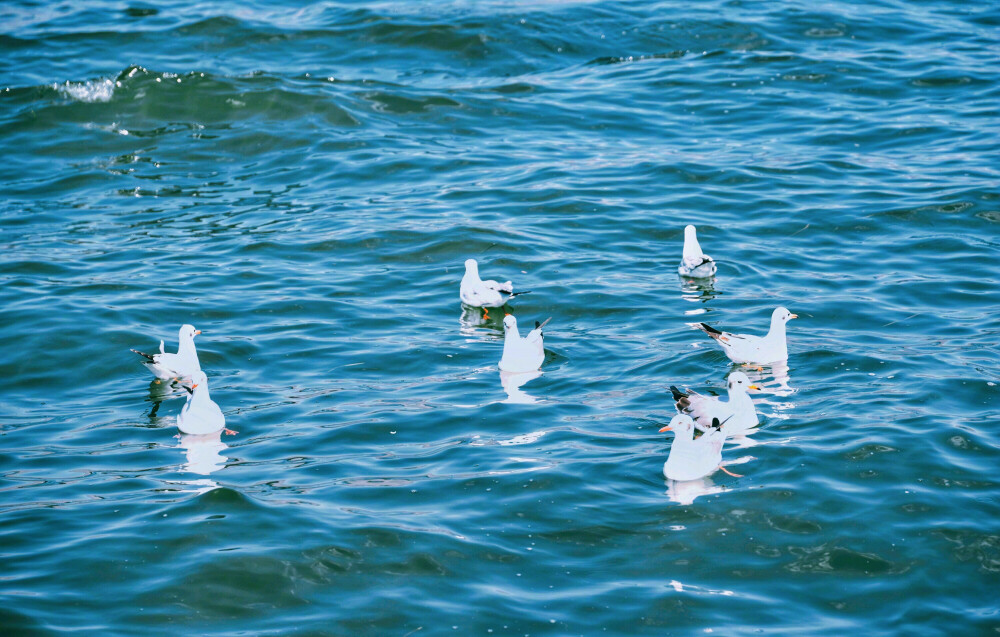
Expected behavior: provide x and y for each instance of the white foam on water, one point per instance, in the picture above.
(92, 91)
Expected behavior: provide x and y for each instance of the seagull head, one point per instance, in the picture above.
(509, 323)
(199, 379)
(680, 424)
(780, 316)
(739, 381)
(188, 331)
(471, 267)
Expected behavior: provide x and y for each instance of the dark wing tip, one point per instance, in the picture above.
(711, 331)
(677, 394)
(716, 424)
(143, 354)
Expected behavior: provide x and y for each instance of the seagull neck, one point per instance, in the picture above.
(692, 249)
(684, 437)
(739, 396)
(511, 340)
(185, 347)
(201, 395)
(777, 329)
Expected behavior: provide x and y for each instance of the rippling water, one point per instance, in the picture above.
(304, 183)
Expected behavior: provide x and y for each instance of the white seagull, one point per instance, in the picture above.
(695, 263)
(200, 415)
(693, 458)
(485, 294)
(522, 354)
(183, 364)
(737, 415)
(745, 348)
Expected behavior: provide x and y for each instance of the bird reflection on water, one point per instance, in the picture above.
(687, 491)
(698, 291)
(203, 452)
(772, 400)
(162, 390)
(512, 382)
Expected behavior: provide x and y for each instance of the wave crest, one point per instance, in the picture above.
(100, 90)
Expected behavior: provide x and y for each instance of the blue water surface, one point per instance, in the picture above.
(303, 183)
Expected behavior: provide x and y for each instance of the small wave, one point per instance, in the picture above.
(93, 91)
(524, 439)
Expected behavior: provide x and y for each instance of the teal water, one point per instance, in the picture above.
(303, 184)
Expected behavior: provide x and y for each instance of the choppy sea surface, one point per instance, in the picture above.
(303, 182)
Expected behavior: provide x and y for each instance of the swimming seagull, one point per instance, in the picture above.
(522, 354)
(484, 294)
(184, 363)
(694, 263)
(692, 458)
(744, 348)
(737, 415)
(200, 415)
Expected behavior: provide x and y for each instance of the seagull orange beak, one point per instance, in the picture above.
(791, 316)
(197, 332)
(753, 387)
(667, 428)
(195, 386)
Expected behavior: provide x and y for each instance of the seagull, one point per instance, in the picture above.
(744, 348)
(695, 263)
(522, 354)
(200, 415)
(693, 458)
(184, 363)
(485, 294)
(737, 415)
